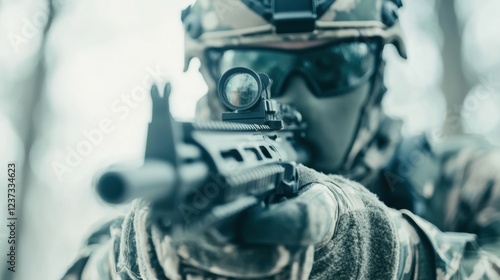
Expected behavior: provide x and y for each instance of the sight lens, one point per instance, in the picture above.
(241, 90)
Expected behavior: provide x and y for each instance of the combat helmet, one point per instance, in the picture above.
(212, 24)
(232, 23)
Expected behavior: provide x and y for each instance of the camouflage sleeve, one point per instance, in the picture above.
(97, 257)
(455, 255)
(461, 195)
(120, 249)
(468, 200)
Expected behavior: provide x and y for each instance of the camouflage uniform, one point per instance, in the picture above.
(131, 248)
(425, 188)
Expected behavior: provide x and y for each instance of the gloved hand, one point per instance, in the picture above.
(473, 172)
(322, 223)
(272, 238)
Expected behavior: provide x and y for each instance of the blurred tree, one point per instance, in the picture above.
(454, 83)
(32, 92)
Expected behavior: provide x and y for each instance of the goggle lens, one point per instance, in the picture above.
(329, 70)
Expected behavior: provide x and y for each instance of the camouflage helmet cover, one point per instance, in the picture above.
(234, 23)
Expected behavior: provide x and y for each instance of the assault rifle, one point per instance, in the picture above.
(197, 174)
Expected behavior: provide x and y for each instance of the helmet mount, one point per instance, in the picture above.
(294, 17)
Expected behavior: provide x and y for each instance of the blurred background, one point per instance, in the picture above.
(74, 83)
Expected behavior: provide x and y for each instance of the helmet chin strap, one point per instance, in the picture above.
(377, 136)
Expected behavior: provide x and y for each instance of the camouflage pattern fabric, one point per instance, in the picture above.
(125, 249)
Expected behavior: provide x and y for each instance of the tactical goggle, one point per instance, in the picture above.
(328, 70)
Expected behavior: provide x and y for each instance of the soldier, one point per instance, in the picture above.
(382, 215)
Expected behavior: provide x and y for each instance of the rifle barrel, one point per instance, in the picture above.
(151, 181)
